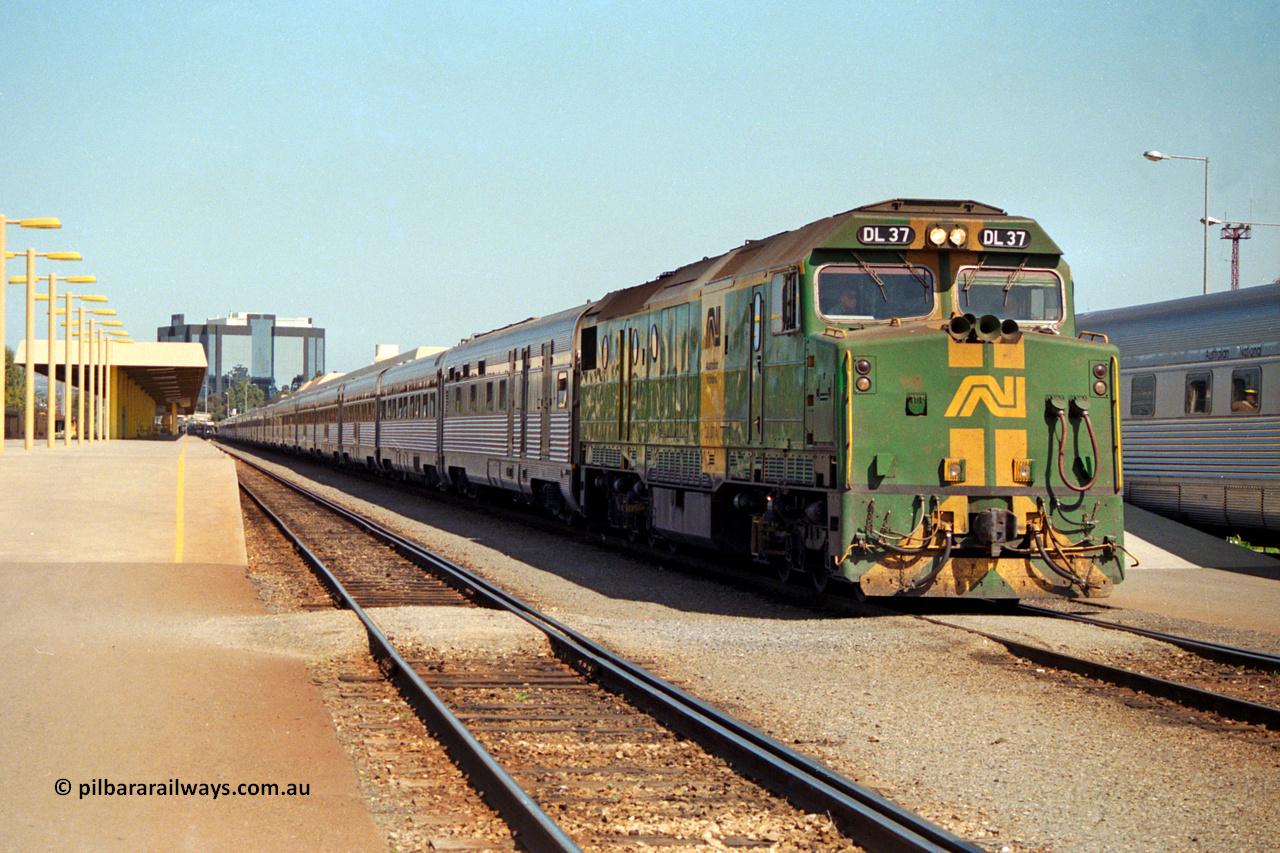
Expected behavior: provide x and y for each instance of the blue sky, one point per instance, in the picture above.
(412, 173)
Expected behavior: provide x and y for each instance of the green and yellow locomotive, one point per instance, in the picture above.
(895, 396)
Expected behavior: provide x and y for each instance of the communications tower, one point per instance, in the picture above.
(1235, 233)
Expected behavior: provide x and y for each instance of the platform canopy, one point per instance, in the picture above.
(169, 373)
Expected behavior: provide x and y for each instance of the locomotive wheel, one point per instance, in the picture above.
(783, 568)
(820, 578)
(819, 573)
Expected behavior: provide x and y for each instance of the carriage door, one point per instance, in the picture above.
(524, 402)
(544, 402)
(755, 379)
(509, 409)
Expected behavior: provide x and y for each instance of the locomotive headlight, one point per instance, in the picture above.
(863, 384)
(958, 236)
(1100, 388)
(938, 235)
(952, 470)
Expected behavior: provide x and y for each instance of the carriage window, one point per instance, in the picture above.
(562, 389)
(874, 292)
(1246, 389)
(502, 395)
(473, 399)
(488, 396)
(786, 303)
(1142, 396)
(1013, 294)
(1199, 393)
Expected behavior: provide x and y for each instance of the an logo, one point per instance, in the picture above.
(711, 337)
(1007, 401)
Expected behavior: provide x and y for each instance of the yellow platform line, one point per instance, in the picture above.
(182, 489)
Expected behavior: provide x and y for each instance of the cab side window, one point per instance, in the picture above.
(785, 308)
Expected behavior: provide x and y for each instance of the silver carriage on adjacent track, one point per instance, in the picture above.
(1200, 399)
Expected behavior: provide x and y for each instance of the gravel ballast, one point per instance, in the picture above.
(939, 720)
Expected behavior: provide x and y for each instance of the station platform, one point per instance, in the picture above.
(110, 554)
(1188, 574)
(114, 555)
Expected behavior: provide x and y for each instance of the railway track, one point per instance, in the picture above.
(1241, 685)
(585, 750)
(1237, 684)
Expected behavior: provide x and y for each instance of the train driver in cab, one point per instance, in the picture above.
(840, 297)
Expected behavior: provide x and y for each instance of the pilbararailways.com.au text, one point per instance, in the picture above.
(179, 788)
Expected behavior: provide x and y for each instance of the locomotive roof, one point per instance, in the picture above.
(788, 248)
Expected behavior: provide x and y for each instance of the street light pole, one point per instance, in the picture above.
(116, 335)
(29, 421)
(95, 382)
(67, 384)
(104, 359)
(4, 255)
(1156, 157)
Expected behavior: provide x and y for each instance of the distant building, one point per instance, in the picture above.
(272, 352)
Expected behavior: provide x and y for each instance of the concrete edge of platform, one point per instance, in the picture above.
(1189, 547)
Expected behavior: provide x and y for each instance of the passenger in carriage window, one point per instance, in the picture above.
(1248, 401)
(1245, 382)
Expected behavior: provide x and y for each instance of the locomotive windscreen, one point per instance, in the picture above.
(876, 291)
(1010, 294)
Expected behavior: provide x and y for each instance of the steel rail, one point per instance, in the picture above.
(533, 827)
(870, 820)
(1213, 651)
(1241, 710)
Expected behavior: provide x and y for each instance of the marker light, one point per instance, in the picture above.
(952, 470)
(1023, 471)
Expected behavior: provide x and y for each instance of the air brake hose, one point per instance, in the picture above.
(941, 561)
(898, 549)
(1062, 451)
(1062, 571)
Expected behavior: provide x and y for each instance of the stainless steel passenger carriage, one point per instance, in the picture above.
(508, 410)
(1200, 398)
